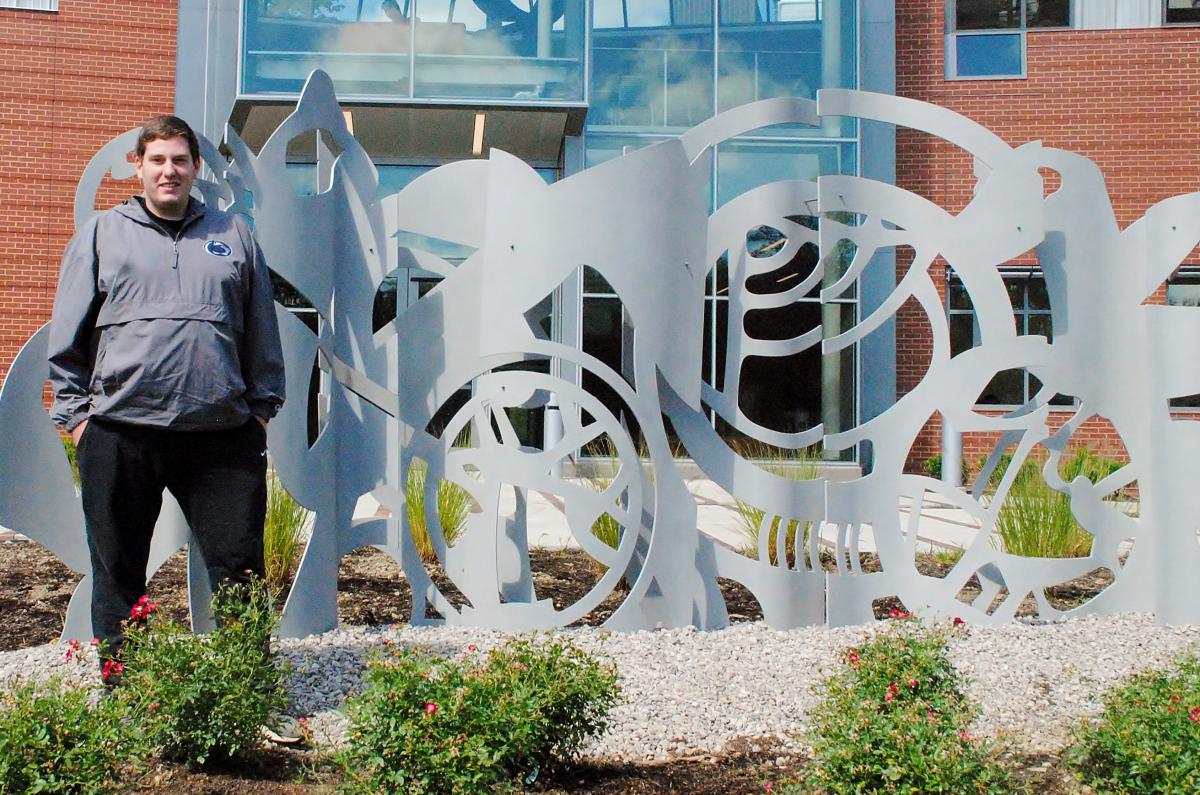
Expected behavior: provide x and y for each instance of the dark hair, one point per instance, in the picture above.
(166, 127)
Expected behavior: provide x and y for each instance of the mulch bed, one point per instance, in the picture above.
(35, 589)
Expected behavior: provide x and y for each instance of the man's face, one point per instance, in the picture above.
(167, 172)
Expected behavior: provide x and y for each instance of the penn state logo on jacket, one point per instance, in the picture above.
(217, 248)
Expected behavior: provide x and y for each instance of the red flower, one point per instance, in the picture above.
(1194, 714)
(73, 648)
(154, 706)
(958, 621)
(430, 708)
(111, 668)
(894, 613)
(143, 608)
(889, 696)
(1174, 699)
(853, 658)
(913, 683)
(471, 647)
(1172, 709)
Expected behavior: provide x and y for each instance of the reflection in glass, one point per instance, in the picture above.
(649, 13)
(764, 53)
(1182, 11)
(1184, 292)
(747, 164)
(653, 62)
(363, 48)
(989, 55)
(652, 78)
(504, 49)
(987, 14)
(602, 148)
(1048, 13)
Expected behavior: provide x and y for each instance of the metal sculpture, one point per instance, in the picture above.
(436, 386)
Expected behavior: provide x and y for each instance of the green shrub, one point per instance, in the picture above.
(205, 698)
(72, 458)
(933, 468)
(896, 719)
(1036, 520)
(606, 463)
(57, 740)
(433, 725)
(453, 504)
(1148, 737)
(283, 535)
(802, 464)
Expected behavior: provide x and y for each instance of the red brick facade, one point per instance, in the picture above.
(69, 82)
(1128, 99)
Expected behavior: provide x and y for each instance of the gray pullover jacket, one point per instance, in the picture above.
(174, 333)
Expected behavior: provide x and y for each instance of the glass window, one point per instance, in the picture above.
(1181, 11)
(1047, 13)
(657, 69)
(31, 5)
(502, 49)
(746, 164)
(654, 64)
(1004, 14)
(1031, 315)
(507, 49)
(989, 55)
(363, 46)
(1184, 290)
(976, 47)
(987, 14)
(651, 69)
(765, 53)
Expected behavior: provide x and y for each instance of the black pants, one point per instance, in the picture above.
(219, 480)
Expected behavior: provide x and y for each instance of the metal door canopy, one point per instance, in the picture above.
(392, 398)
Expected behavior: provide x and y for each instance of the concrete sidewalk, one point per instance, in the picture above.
(940, 526)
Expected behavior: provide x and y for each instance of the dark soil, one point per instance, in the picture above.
(35, 589)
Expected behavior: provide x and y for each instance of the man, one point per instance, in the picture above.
(166, 365)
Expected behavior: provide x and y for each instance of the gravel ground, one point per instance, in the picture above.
(689, 693)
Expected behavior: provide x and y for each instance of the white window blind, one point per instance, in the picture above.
(31, 5)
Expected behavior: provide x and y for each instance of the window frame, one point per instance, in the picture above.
(1025, 274)
(952, 54)
(953, 34)
(1189, 276)
(1166, 23)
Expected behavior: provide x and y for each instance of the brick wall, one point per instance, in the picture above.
(1128, 99)
(69, 81)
